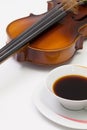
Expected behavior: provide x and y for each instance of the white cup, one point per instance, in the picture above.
(62, 71)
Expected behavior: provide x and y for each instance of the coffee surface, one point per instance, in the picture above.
(73, 87)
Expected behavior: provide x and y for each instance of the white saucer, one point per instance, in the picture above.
(47, 105)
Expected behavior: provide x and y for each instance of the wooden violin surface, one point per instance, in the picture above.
(55, 45)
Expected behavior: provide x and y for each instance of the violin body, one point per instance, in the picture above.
(55, 45)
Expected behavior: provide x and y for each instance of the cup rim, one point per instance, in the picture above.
(61, 67)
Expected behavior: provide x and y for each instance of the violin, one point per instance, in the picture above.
(50, 38)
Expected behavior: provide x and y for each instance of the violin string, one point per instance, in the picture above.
(8, 52)
(34, 34)
(23, 34)
(9, 45)
(30, 29)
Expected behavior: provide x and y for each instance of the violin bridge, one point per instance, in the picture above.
(73, 4)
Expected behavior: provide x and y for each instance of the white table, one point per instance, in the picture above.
(19, 81)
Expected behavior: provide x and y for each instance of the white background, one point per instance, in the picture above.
(19, 81)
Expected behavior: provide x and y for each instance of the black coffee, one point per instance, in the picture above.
(73, 87)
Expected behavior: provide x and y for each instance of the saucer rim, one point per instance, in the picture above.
(54, 117)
